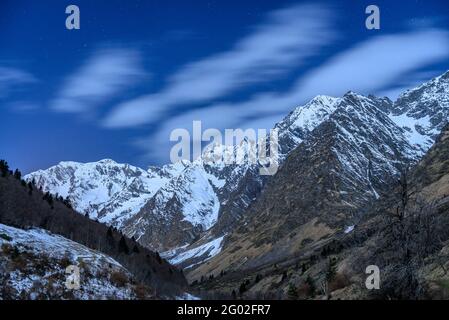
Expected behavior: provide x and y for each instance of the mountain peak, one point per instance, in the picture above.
(445, 75)
(350, 93)
(107, 161)
(437, 85)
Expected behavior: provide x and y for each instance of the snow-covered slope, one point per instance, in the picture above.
(105, 190)
(33, 266)
(198, 254)
(295, 127)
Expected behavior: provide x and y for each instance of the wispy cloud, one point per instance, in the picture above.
(13, 77)
(287, 38)
(367, 67)
(107, 73)
(22, 106)
(376, 63)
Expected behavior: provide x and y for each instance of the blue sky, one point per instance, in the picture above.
(138, 69)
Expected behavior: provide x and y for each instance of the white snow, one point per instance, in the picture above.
(187, 296)
(106, 190)
(202, 205)
(211, 248)
(42, 241)
(315, 112)
(348, 229)
(410, 124)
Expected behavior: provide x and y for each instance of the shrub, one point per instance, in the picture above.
(309, 287)
(42, 264)
(119, 278)
(7, 248)
(5, 237)
(19, 263)
(340, 281)
(66, 261)
(243, 286)
(331, 269)
(141, 291)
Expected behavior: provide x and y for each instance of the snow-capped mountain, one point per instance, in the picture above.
(184, 206)
(296, 126)
(104, 190)
(150, 205)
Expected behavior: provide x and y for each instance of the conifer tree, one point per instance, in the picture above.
(17, 174)
(122, 246)
(4, 168)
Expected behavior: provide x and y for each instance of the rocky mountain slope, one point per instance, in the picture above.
(404, 233)
(329, 181)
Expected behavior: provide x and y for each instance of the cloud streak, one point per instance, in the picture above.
(287, 38)
(106, 73)
(12, 77)
(376, 63)
(367, 67)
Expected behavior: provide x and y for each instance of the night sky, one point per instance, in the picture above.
(138, 69)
